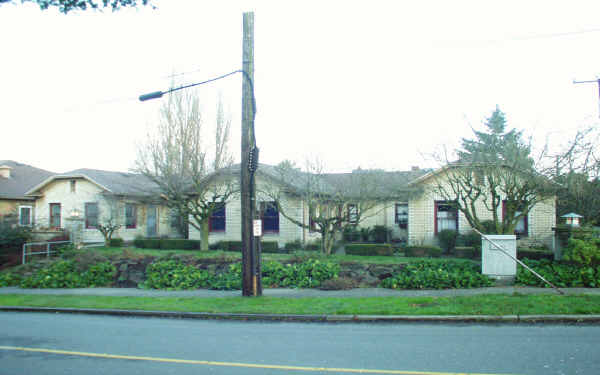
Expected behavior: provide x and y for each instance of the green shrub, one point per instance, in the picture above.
(138, 242)
(351, 233)
(423, 251)
(381, 233)
(365, 234)
(13, 237)
(469, 239)
(10, 279)
(179, 244)
(293, 245)
(534, 254)
(489, 227)
(171, 274)
(116, 242)
(447, 238)
(269, 246)
(65, 274)
(584, 252)
(428, 274)
(561, 274)
(369, 249)
(466, 252)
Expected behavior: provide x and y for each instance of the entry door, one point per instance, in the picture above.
(151, 221)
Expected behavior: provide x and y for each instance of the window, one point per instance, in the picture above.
(446, 216)
(130, 216)
(91, 215)
(25, 216)
(401, 217)
(73, 185)
(352, 214)
(54, 215)
(521, 229)
(269, 215)
(216, 222)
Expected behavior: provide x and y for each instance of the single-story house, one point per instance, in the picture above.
(81, 199)
(15, 180)
(412, 212)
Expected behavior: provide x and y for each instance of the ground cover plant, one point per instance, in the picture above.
(446, 274)
(172, 274)
(561, 274)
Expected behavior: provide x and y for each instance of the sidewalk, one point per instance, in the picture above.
(298, 293)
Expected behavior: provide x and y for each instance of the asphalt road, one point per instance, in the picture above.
(92, 344)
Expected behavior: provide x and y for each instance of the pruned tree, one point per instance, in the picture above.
(66, 6)
(109, 218)
(178, 160)
(334, 201)
(494, 178)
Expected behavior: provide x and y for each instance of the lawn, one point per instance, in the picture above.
(473, 305)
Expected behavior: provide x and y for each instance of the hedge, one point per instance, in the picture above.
(423, 251)
(267, 246)
(116, 242)
(465, 252)
(534, 254)
(369, 249)
(166, 244)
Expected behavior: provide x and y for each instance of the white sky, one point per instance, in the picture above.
(375, 84)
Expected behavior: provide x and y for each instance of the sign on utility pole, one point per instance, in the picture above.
(251, 282)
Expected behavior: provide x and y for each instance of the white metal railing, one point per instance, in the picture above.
(47, 252)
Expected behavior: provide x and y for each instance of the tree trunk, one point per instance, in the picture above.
(204, 236)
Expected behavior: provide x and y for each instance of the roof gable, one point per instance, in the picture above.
(22, 178)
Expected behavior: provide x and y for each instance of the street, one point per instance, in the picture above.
(83, 344)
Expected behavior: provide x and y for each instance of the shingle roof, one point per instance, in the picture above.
(22, 178)
(119, 183)
(386, 183)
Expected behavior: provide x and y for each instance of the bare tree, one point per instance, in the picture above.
(110, 221)
(178, 160)
(333, 200)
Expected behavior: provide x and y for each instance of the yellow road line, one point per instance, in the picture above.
(232, 364)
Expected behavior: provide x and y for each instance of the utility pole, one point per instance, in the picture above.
(596, 81)
(251, 282)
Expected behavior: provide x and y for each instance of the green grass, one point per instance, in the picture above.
(475, 305)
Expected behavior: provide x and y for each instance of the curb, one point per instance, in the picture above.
(320, 318)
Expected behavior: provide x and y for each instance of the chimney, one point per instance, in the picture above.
(5, 171)
(414, 168)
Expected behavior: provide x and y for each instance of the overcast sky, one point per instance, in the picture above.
(375, 84)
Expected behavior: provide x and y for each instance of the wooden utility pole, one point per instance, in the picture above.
(251, 283)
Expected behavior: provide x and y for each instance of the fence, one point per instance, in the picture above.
(47, 252)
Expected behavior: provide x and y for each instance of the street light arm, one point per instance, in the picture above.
(159, 94)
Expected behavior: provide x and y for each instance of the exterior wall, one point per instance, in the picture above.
(59, 191)
(288, 231)
(421, 227)
(9, 209)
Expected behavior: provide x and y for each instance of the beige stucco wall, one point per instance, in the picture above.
(59, 191)
(421, 221)
(288, 231)
(10, 208)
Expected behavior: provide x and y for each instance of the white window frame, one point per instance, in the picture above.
(30, 216)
